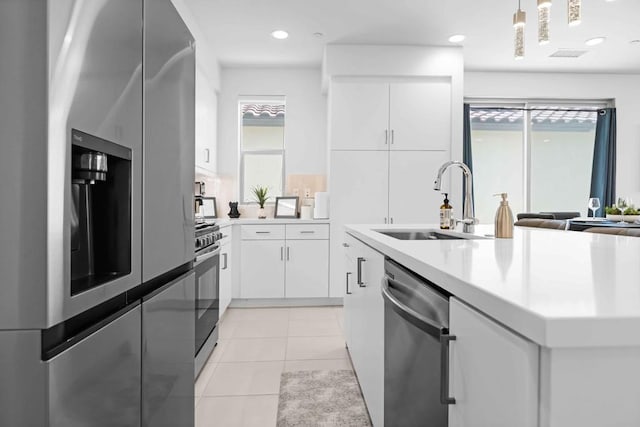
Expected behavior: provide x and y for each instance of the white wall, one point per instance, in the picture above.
(305, 117)
(625, 89)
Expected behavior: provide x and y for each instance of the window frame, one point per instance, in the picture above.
(272, 99)
(527, 105)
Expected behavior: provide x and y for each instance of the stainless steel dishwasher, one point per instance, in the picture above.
(416, 350)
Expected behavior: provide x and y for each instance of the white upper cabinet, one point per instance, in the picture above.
(408, 115)
(359, 116)
(206, 123)
(420, 115)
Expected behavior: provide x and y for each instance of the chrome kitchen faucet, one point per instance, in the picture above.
(468, 221)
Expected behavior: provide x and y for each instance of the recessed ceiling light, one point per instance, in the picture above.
(594, 41)
(456, 38)
(279, 34)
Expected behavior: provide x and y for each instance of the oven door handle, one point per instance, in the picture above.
(203, 257)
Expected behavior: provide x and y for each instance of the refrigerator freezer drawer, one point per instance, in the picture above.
(168, 331)
(96, 382)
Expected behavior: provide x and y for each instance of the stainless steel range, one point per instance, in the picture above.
(207, 268)
(207, 236)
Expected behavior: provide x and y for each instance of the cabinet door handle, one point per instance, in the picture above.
(346, 245)
(393, 136)
(386, 137)
(207, 157)
(385, 219)
(445, 339)
(391, 221)
(281, 253)
(347, 283)
(263, 232)
(307, 232)
(360, 282)
(225, 257)
(288, 253)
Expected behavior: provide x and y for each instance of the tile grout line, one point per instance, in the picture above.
(240, 395)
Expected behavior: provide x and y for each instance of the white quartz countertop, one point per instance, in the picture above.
(557, 288)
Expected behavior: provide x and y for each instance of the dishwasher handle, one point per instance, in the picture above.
(407, 313)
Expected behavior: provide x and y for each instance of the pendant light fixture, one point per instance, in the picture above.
(544, 15)
(519, 20)
(574, 12)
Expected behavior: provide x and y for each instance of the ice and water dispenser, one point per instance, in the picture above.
(100, 211)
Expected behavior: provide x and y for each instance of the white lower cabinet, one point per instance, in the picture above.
(493, 372)
(226, 267)
(306, 274)
(279, 261)
(364, 322)
(262, 274)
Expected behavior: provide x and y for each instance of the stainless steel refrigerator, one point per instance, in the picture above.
(96, 232)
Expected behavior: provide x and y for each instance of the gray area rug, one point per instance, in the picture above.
(321, 399)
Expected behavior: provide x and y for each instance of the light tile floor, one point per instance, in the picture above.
(240, 383)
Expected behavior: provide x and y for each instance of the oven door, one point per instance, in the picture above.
(207, 269)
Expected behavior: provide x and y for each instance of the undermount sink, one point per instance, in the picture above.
(427, 235)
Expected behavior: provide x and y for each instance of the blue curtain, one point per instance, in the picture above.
(466, 145)
(603, 172)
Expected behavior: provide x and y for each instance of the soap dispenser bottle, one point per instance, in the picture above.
(446, 213)
(504, 219)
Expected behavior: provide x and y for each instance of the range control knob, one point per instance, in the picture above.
(198, 243)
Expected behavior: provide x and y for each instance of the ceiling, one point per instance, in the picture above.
(239, 31)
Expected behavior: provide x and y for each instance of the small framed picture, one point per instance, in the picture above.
(209, 208)
(286, 207)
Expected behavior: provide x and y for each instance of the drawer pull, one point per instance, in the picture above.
(359, 279)
(263, 232)
(307, 232)
(445, 339)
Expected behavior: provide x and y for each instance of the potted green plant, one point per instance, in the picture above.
(260, 195)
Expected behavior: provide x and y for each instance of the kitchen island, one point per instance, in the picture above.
(547, 323)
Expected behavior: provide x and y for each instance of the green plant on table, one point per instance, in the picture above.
(612, 210)
(631, 211)
(260, 195)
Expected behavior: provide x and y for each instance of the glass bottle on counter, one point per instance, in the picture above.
(446, 213)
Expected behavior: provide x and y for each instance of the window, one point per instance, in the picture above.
(261, 147)
(541, 154)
